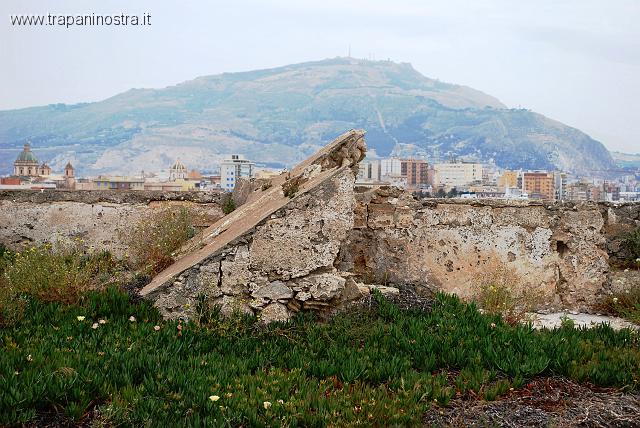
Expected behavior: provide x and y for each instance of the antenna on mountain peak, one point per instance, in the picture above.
(349, 55)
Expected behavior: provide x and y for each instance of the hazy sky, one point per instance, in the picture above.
(577, 61)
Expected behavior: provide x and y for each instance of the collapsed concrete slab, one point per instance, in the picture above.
(280, 245)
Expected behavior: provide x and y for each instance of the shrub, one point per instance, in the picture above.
(632, 242)
(625, 304)
(154, 240)
(51, 274)
(290, 188)
(228, 205)
(499, 293)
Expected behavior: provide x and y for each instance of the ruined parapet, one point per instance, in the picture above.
(553, 252)
(99, 219)
(274, 255)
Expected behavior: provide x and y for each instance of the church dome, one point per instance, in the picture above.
(27, 155)
(179, 166)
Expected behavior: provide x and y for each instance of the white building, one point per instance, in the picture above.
(457, 174)
(369, 171)
(390, 167)
(234, 168)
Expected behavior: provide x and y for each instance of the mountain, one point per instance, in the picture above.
(279, 116)
(626, 160)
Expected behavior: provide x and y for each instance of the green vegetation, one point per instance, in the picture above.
(229, 205)
(290, 188)
(49, 274)
(632, 242)
(155, 238)
(625, 304)
(73, 343)
(381, 366)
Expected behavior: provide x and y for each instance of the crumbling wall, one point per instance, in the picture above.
(275, 254)
(555, 251)
(620, 220)
(101, 219)
(281, 266)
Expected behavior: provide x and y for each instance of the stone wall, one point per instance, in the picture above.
(101, 219)
(554, 252)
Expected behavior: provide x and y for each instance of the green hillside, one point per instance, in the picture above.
(279, 116)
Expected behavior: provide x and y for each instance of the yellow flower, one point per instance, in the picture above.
(80, 318)
(266, 405)
(214, 398)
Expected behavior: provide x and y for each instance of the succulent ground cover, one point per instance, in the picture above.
(106, 360)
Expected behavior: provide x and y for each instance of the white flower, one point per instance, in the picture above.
(132, 318)
(94, 325)
(102, 321)
(266, 405)
(80, 318)
(280, 401)
(29, 357)
(156, 328)
(615, 300)
(214, 398)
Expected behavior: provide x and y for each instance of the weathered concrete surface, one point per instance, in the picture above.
(275, 254)
(556, 319)
(556, 253)
(101, 219)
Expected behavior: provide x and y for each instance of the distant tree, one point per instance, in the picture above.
(441, 193)
(452, 193)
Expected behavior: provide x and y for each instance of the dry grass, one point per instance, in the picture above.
(500, 291)
(153, 241)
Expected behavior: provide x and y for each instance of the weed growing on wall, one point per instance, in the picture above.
(500, 292)
(229, 205)
(625, 304)
(155, 238)
(632, 242)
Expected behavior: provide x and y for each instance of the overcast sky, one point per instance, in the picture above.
(577, 61)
